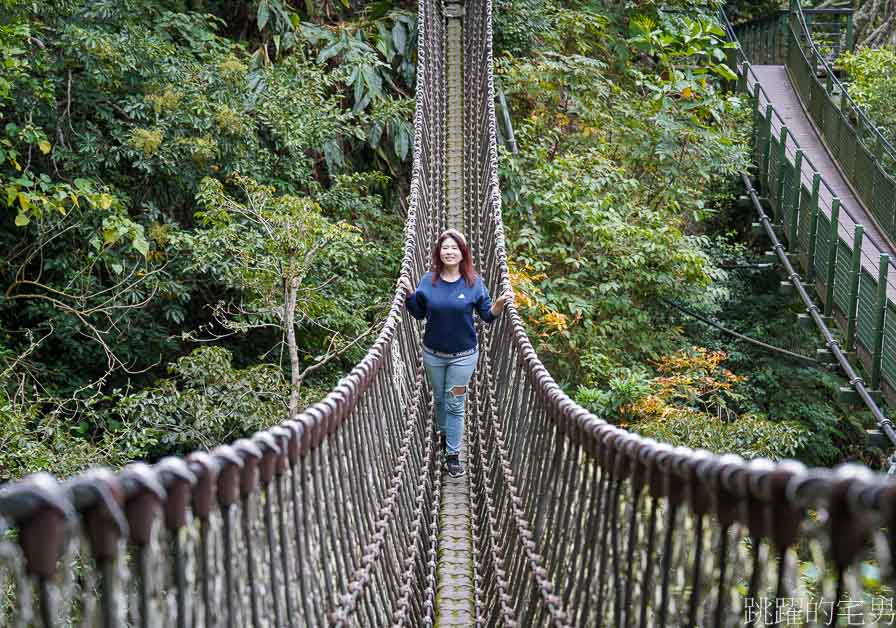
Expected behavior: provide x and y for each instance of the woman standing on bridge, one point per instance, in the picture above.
(446, 298)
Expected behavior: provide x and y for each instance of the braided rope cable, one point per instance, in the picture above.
(566, 451)
(524, 534)
(486, 523)
(350, 540)
(347, 603)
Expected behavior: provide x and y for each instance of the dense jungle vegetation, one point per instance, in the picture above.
(871, 73)
(205, 202)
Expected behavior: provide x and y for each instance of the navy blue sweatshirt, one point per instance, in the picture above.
(448, 310)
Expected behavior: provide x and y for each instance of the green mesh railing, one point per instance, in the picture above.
(831, 30)
(866, 157)
(848, 266)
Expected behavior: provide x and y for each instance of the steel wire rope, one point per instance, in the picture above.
(885, 424)
(791, 354)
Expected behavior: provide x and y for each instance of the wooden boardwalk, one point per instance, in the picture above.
(776, 84)
(455, 607)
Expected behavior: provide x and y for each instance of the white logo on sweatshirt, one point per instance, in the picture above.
(461, 296)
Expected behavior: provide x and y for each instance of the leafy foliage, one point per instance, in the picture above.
(128, 132)
(693, 403)
(204, 402)
(779, 389)
(750, 436)
(30, 443)
(752, 9)
(872, 73)
(519, 23)
(612, 172)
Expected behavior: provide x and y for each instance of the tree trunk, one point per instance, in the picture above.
(291, 289)
(875, 23)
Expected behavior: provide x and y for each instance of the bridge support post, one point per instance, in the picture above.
(846, 160)
(844, 102)
(879, 311)
(731, 62)
(797, 199)
(813, 226)
(766, 148)
(779, 180)
(754, 38)
(508, 124)
(781, 34)
(832, 257)
(757, 131)
(892, 205)
(850, 33)
(748, 40)
(854, 271)
(755, 44)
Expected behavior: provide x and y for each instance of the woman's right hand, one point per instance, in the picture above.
(404, 282)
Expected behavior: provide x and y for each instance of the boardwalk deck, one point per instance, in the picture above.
(776, 84)
(455, 606)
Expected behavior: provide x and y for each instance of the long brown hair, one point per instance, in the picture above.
(466, 263)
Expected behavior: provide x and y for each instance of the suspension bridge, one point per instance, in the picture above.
(343, 516)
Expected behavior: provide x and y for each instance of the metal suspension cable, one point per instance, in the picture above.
(796, 356)
(884, 423)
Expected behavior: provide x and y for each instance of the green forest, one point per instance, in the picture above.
(205, 202)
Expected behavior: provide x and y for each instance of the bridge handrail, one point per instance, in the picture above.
(877, 347)
(805, 483)
(791, 144)
(539, 496)
(745, 68)
(286, 527)
(877, 153)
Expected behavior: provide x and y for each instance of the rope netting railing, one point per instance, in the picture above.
(328, 519)
(579, 523)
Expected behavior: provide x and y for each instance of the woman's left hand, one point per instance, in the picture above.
(501, 301)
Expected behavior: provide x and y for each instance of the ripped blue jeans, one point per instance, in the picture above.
(448, 378)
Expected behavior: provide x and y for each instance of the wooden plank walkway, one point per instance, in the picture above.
(776, 84)
(454, 125)
(455, 600)
(455, 588)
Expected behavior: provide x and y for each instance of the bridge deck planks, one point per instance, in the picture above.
(455, 606)
(776, 83)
